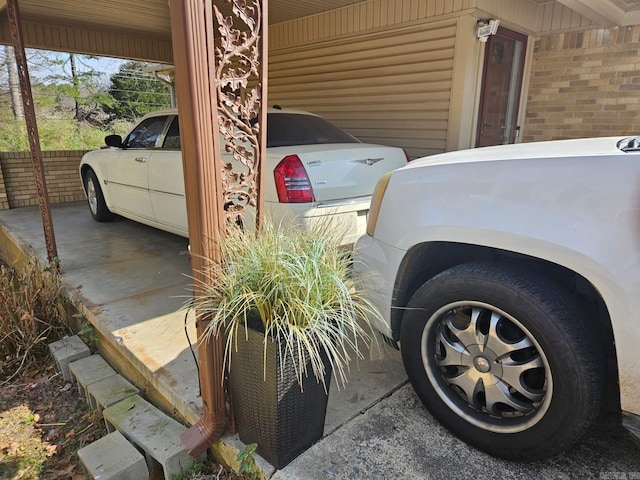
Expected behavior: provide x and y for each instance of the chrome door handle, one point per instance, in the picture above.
(141, 159)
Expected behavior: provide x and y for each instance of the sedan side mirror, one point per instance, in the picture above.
(113, 141)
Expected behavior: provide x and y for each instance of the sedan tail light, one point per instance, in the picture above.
(292, 182)
(406, 155)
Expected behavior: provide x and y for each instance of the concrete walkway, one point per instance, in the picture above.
(131, 282)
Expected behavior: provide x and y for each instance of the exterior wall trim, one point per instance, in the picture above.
(466, 87)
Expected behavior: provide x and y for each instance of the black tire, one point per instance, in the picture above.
(97, 206)
(519, 346)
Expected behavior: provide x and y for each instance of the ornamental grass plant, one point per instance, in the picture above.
(296, 286)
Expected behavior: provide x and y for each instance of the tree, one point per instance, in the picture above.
(135, 92)
(75, 90)
(14, 82)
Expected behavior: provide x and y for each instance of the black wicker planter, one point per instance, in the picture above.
(273, 412)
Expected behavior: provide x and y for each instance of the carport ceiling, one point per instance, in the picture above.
(148, 18)
(70, 24)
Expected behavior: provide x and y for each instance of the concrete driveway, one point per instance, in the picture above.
(398, 439)
(132, 281)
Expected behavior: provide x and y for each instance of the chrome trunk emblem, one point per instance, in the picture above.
(367, 161)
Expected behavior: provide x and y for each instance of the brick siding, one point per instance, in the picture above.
(18, 186)
(4, 200)
(584, 84)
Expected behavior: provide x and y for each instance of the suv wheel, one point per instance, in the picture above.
(504, 359)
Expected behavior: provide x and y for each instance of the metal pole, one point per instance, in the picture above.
(32, 131)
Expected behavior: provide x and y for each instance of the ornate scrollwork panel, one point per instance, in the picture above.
(238, 88)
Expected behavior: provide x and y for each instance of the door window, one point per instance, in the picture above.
(172, 138)
(146, 133)
(501, 87)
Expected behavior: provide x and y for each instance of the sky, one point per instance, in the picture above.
(106, 65)
(40, 64)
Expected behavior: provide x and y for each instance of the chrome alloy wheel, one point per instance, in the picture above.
(486, 366)
(92, 196)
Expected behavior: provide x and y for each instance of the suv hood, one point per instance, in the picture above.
(535, 150)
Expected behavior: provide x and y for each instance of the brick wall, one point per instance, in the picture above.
(17, 184)
(584, 84)
(4, 200)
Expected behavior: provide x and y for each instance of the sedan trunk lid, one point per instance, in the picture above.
(342, 171)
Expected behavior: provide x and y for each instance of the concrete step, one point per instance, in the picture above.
(67, 350)
(100, 383)
(109, 391)
(113, 458)
(134, 424)
(89, 370)
(154, 432)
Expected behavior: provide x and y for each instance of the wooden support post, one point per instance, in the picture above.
(212, 100)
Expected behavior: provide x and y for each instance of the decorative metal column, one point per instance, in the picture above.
(32, 131)
(221, 91)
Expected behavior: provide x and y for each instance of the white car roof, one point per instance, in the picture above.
(174, 111)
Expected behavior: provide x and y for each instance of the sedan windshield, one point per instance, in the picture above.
(287, 129)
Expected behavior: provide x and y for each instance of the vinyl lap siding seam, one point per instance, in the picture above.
(393, 88)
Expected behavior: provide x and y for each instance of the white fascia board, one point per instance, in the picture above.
(602, 12)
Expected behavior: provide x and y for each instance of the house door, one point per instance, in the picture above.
(501, 87)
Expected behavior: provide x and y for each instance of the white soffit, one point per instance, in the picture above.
(607, 13)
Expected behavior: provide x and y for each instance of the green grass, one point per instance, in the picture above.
(54, 134)
(22, 454)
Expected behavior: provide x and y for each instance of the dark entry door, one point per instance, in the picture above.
(501, 87)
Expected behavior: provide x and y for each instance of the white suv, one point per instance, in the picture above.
(510, 277)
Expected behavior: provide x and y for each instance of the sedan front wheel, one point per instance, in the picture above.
(504, 359)
(97, 205)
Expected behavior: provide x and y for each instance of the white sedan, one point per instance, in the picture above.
(314, 172)
(510, 278)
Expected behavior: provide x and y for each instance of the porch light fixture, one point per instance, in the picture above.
(485, 28)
